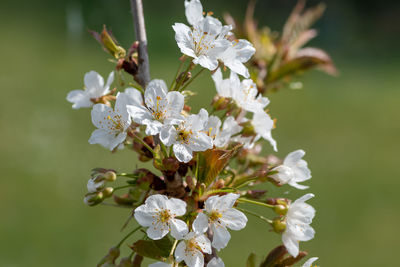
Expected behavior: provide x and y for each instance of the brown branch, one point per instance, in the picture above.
(140, 30)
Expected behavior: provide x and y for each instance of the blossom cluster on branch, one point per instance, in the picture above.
(208, 169)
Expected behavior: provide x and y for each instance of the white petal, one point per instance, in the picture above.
(200, 142)
(178, 228)
(194, 259)
(309, 262)
(183, 39)
(133, 97)
(238, 67)
(153, 127)
(298, 186)
(175, 104)
(291, 245)
(227, 201)
(206, 62)
(156, 94)
(156, 202)
(102, 137)
(80, 99)
(299, 166)
(139, 114)
(110, 80)
(216, 262)
(245, 50)
(180, 251)
(143, 217)
(157, 231)
(221, 236)
(176, 206)
(234, 219)
(193, 11)
(204, 243)
(305, 198)
(182, 153)
(94, 83)
(200, 224)
(99, 115)
(168, 135)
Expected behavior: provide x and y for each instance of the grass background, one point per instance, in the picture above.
(349, 127)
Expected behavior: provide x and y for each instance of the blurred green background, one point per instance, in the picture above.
(348, 125)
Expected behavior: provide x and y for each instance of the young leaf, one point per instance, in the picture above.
(154, 249)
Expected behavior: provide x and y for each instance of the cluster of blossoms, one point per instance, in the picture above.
(209, 161)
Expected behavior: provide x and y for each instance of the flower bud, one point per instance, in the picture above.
(183, 77)
(107, 192)
(279, 225)
(220, 103)
(93, 199)
(110, 176)
(109, 259)
(281, 209)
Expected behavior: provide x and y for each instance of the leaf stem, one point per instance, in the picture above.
(255, 214)
(177, 73)
(192, 79)
(143, 143)
(128, 235)
(173, 247)
(245, 200)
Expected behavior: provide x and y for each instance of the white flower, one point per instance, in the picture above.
(309, 262)
(160, 264)
(94, 88)
(191, 249)
(111, 123)
(216, 262)
(158, 213)
(206, 40)
(94, 186)
(244, 93)
(239, 52)
(293, 170)
(220, 214)
(222, 136)
(298, 220)
(160, 109)
(263, 125)
(189, 136)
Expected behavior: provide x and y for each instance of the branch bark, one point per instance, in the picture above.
(140, 31)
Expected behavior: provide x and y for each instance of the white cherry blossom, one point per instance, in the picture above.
(219, 215)
(216, 262)
(191, 249)
(263, 125)
(188, 137)
(239, 52)
(111, 123)
(94, 88)
(221, 137)
(309, 262)
(158, 214)
(244, 93)
(160, 108)
(298, 220)
(293, 170)
(95, 184)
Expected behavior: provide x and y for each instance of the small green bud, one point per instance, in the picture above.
(107, 192)
(110, 176)
(281, 209)
(93, 199)
(279, 225)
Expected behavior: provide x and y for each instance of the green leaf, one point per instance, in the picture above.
(154, 249)
(212, 162)
(251, 260)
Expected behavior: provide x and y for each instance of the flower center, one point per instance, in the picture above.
(164, 215)
(215, 216)
(202, 41)
(117, 123)
(184, 135)
(159, 111)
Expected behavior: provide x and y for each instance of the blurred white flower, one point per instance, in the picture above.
(309, 262)
(244, 93)
(158, 214)
(263, 125)
(239, 52)
(94, 184)
(298, 220)
(216, 262)
(111, 123)
(219, 214)
(221, 137)
(191, 249)
(94, 88)
(159, 109)
(293, 170)
(189, 136)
